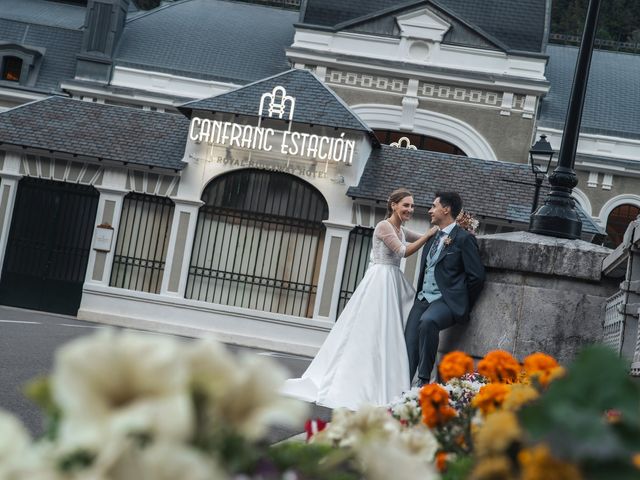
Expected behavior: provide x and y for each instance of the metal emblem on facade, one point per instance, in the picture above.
(278, 101)
(404, 142)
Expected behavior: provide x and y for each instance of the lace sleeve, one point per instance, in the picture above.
(385, 232)
(411, 236)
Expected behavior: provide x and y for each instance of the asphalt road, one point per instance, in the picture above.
(28, 340)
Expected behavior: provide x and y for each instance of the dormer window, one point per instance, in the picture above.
(20, 63)
(11, 68)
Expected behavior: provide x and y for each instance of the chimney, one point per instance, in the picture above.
(103, 26)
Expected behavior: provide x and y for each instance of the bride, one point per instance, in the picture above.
(364, 358)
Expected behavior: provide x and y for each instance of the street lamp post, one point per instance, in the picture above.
(558, 216)
(540, 157)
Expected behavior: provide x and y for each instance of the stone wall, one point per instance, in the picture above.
(542, 294)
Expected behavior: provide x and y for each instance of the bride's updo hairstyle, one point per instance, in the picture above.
(395, 197)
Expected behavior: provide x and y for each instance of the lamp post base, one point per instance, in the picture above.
(557, 217)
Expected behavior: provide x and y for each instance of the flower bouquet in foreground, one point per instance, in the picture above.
(128, 406)
(125, 406)
(509, 420)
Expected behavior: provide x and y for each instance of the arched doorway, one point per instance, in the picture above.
(258, 243)
(618, 221)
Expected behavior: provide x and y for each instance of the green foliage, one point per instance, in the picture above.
(320, 462)
(39, 392)
(459, 469)
(590, 417)
(618, 19)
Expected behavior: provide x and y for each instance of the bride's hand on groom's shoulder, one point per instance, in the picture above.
(432, 231)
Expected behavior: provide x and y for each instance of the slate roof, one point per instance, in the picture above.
(519, 24)
(315, 104)
(42, 12)
(491, 189)
(118, 134)
(209, 39)
(613, 92)
(61, 44)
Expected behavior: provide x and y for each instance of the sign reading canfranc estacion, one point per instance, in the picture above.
(273, 105)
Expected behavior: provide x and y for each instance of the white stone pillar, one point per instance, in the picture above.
(9, 177)
(331, 270)
(112, 193)
(8, 190)
(183, 229)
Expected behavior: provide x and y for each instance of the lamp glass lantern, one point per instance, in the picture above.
(540, 156)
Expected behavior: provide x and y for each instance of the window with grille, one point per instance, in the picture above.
(356, 263)
(141, 248)
(258, 243)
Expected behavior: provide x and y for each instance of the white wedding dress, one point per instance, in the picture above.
(364, 358)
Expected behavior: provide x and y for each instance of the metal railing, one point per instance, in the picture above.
(258, 243)
(356, 263)
(614, 322)
(141, 248)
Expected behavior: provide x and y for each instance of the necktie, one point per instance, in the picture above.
(436, 243)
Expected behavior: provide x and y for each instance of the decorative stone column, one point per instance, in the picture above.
(9, 178)
(112, 193)
(542, 294)
(333, 256)
(183, 228)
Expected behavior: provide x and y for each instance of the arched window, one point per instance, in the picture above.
(11, 68)
(258, 243)
(618, 221)
(421, 142)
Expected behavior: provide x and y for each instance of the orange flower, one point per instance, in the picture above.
(434, 401)
(441, 461)
(542, 366)
(537, 463)
(490, 397)
(499, 366)
(455, 364)
(636, 460)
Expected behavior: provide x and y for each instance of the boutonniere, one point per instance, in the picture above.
(448, 241)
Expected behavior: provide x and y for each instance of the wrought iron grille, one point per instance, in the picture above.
(356, 263)
(258, 243)
(614, 322)
(141, 248)
(48, 245)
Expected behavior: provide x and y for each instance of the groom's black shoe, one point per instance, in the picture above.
(421, 382)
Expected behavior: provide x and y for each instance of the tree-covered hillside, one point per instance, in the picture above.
(619, 20)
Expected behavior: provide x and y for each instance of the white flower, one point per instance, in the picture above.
(243, 392)
(165, 461)
(14, 443)
(122, 383)
(419, 441)
(348, 428)
(383, 459)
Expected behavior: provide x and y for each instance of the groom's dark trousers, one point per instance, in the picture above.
(422, 335)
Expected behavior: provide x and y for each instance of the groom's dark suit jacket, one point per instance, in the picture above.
(459, 272)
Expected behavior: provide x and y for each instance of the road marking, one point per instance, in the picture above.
(78, 326)
(20, 321)
(281, 355)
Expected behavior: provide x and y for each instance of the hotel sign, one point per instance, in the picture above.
(273, 105)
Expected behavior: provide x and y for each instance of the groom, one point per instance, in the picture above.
(451, 278)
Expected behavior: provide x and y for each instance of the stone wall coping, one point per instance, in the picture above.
(533, 253)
